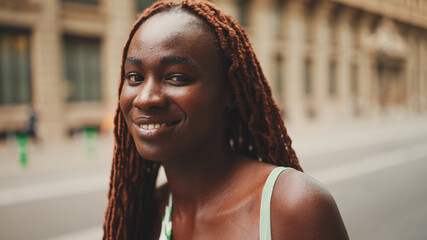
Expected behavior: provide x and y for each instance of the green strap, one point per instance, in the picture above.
(166, 230)
(264, 214)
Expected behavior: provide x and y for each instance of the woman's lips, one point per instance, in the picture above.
(153, 129)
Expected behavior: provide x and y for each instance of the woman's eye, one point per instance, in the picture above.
(135, 78)
(179, 80)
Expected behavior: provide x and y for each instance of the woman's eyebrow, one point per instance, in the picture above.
(133, 61)
(171, 60)
(167, 60)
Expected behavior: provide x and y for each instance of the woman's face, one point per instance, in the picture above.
(174, 95)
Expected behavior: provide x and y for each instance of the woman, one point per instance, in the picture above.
(193, 99)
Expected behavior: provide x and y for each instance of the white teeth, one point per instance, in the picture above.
(154, 125)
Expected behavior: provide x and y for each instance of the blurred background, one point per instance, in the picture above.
(350, 77)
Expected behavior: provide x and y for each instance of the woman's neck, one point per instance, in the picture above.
(198, 179)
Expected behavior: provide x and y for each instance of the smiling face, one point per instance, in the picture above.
(174, 94)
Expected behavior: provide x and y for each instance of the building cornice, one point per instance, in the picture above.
(411, 12)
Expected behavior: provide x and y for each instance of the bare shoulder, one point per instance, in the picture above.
(302, 208)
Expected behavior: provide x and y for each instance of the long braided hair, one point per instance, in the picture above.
(256, 128)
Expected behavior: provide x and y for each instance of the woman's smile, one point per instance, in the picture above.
(152, 128)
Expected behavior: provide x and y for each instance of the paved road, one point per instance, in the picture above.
(381, 192)
(386, 205)
(378, 182)
(53, 217)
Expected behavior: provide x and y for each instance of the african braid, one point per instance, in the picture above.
(262, 130)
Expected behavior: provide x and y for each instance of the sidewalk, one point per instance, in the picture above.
(70, 157)
(311, 141)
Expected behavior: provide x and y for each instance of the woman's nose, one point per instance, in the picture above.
(150, 95)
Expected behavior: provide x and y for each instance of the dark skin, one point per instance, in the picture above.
(175, 100)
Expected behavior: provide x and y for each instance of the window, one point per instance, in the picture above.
(307, 26)
(332, 26)
(307, 82)
(279, 75)
(243, 7)
(354, 84)
(332, 78)
(143, 4)
(15, 70)
(82, 68)
(91, 2)
(277, 20)
(354, 89)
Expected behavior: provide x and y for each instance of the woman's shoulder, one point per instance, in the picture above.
(302, 208)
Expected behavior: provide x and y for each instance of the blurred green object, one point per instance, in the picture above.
(22, 140)
(90, 134)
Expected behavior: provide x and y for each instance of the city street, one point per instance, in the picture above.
(374, 170)
(380, 189)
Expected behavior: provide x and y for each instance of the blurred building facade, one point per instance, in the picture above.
(326, 60)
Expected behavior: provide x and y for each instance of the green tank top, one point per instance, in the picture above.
(264, 216)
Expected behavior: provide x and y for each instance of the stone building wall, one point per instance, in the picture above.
(342, 59)
(48, 22)
(327, 61)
